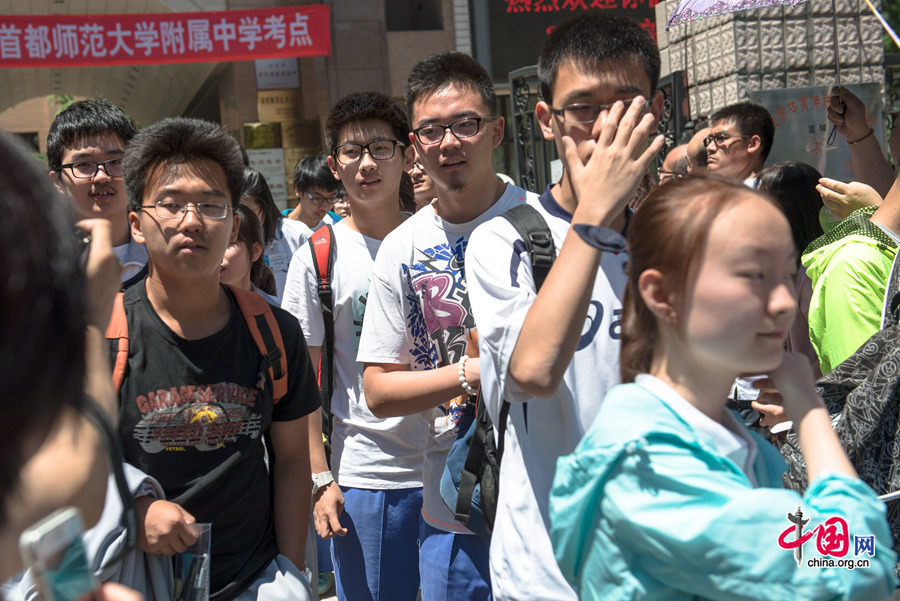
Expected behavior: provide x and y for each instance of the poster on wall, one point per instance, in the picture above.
(802, 129)
(518, 27)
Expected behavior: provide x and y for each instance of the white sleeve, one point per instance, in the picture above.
(383, 338)
(301, 297)
(501, 290)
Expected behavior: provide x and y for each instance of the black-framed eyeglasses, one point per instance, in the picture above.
(328, 199)
(582, 113)
(433, 133)
(168, 209)
(720, 137)
(89, 169)
(380, 150)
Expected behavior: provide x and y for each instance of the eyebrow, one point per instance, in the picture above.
(90, 155)
(625, 89)
(170, 191)
(455, 117)
(375, 139)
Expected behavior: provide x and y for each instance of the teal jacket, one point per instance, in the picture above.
(645, 508)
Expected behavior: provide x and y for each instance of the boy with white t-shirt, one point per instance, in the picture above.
(375, 504)
(417, 318)
(553, 354)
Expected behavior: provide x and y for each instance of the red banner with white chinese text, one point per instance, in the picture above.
(161, 38)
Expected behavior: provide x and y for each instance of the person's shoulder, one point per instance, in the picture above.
(294, 229)
(630, 412)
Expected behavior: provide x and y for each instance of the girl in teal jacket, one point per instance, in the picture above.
(669, 496)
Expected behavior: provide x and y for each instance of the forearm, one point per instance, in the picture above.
(392, 392)
(553, 324)
(317, 459)
(98, 378)
(870, 165)
(821, 448)
(292, 492)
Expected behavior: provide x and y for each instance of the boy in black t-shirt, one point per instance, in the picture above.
(194, 409)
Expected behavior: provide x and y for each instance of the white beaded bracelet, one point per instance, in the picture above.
(461, 372)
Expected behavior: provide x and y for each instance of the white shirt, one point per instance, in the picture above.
(367, 452)
(289, 236)
(418, 315)
(133, 256)
(539, 430)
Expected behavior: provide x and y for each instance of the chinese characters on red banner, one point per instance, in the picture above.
(159, 38)
(539, 6)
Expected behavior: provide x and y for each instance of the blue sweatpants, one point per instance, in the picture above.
(378, 558)
(453, 567)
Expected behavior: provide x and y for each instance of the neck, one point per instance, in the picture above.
(462, 205)
(121, 232)
(297, 214)
(193, 308)
(375, 220)
(705, 389)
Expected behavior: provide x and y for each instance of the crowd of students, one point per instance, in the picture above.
(624, 475)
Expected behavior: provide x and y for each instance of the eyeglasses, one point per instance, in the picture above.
(320, 200)
(417, 166)
(434, 133)
(380, 150)
(583, 113)
(88, 169)
(720, 137)
(166, 209)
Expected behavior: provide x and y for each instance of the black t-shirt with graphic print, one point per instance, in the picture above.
(192, 407)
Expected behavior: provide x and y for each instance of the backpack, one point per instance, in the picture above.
(260, 321)
(470, 483)
(321, 246)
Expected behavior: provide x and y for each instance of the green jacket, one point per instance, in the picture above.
(849, 268)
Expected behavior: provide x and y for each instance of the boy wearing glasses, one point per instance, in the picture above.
(739, 141)
(553, 354)
(417, 317)
(85, 147)
(196, 401)
(317, 191)
(370, 501)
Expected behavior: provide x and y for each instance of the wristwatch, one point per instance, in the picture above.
(320, 481)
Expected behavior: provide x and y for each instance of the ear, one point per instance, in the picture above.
(498, 128)
(656, 104)
(654, 292)
(334, 171)
(409, 157)
(544, 117)
(255, 251)
(754, 144)
(137, 234)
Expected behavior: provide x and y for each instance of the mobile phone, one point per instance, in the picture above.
(54, 550)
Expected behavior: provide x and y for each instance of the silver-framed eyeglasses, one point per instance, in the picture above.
(169, 209)
(434, 133)
(582, 113)
(380, 150)
(720, 137)
(88, 169)
(327, 199)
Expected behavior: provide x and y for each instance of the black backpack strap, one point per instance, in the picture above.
(890, 315)
(321, 246)
(537, 239)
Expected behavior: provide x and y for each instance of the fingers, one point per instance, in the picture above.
(833, 184)
(334, 525)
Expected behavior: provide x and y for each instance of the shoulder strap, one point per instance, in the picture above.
(117, 330)
(537, 238)
(267, 336)
(321, 245)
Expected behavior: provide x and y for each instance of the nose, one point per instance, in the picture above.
(450, 140)
(783, 301)
(367, 161)
(102, 167)
(191, 217)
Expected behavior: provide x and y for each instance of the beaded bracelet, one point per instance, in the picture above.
(858, 140)
(461, 372)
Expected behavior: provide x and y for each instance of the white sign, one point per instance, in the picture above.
(270, 163)
(277, 74)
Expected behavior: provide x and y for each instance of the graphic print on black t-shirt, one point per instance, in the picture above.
(206, 417)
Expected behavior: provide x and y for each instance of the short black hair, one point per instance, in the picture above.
(590, 40)
(42, 342)
(793, 184)
(84, 119)
(179, 140)
(313, 170)
(360, 106)
(440, 71)
(256, 187)
(751, 120)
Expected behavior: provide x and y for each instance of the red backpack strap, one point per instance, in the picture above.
(118, 330)
(267, 336)
(321, 245)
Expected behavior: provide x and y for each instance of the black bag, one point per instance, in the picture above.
(471, 478)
